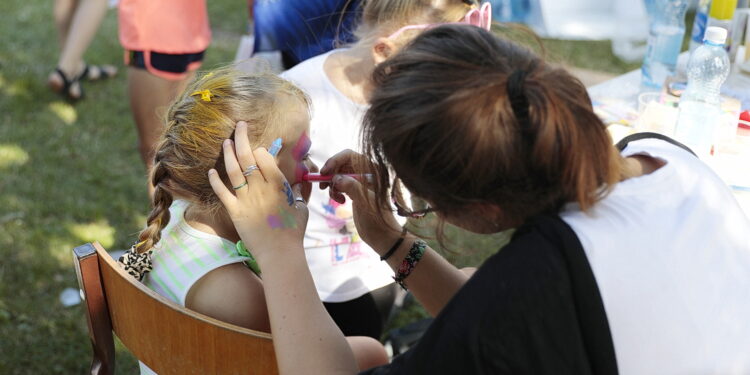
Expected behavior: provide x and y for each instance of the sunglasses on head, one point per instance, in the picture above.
(481, 17)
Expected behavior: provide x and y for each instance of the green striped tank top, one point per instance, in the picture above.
(185, 254)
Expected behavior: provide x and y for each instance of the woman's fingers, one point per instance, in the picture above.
(245, 153)
(225, 196)
(342, 162)
(336, 196)
(239, 183)
(351, 187)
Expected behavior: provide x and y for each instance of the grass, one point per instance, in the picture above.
(71, 174)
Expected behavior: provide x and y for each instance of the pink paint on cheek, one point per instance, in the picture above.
(302, 147)
(299, 153)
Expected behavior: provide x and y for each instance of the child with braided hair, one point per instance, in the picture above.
(189, 251)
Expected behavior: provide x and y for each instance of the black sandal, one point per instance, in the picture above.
(69, 82)
(103, 73)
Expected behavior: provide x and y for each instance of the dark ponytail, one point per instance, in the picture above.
(465, 117)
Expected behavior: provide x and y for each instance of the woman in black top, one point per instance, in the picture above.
(492, 138)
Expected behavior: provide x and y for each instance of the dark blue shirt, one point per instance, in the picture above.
(302, 29)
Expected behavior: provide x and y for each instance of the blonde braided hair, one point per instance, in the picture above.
(197, 124)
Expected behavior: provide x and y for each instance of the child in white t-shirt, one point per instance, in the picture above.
(189, 242)
(355, 286)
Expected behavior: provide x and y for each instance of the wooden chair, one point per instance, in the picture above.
(168, 338)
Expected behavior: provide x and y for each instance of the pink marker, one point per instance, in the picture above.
(317, 177)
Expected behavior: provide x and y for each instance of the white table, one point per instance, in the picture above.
(624, 90)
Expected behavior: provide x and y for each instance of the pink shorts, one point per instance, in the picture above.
(177, 29)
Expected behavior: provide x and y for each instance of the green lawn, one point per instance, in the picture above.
(71, 174)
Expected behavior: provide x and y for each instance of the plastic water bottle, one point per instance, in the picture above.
(631, 30)
(699, 24)
(700, 104)
(664, 41)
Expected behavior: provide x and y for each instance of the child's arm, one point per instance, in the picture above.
(232, 294)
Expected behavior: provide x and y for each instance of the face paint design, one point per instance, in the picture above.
(299, 154)
(285, 220)
(289, 195)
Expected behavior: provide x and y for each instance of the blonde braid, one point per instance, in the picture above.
(159, 216)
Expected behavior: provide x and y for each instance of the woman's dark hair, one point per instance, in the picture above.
(463, 116)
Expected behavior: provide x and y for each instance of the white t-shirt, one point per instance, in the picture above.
(671, 255)
(342, 265)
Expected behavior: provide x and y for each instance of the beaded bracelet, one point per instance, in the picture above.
(410, 262)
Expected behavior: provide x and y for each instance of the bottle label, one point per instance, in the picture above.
(699, 27)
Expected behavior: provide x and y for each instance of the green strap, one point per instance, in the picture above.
(251, 263)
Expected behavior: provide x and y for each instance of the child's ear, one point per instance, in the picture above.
(383, 49)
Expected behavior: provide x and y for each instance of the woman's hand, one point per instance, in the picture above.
(380, 232)
(262, 205)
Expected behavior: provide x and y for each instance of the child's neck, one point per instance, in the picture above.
(218, 224)
(350, 71)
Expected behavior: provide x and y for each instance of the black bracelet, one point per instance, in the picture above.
(395, 246)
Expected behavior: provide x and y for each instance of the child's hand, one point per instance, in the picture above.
(269, 214)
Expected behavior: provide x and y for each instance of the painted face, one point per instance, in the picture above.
(294, 160)
(300, 154)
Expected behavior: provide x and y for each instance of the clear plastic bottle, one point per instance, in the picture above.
(631, 30)
(700, 104)
(667, 18)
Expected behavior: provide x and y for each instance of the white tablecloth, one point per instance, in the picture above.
(624, 90)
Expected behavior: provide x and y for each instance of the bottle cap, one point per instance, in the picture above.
(716, 35)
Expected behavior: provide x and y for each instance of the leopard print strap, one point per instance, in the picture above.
(135, 264)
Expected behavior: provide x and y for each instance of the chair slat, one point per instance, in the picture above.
(85, 259)
(171, 339)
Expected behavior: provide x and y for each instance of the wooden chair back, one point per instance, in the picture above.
(165, 336)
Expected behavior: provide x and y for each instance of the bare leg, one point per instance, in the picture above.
(149, 97)
(85, 23)
(63, 12)
(80, 31)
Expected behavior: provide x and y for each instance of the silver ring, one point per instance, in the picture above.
(249, 170)
(299, 199)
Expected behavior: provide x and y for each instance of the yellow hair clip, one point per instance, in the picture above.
(205, 95)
